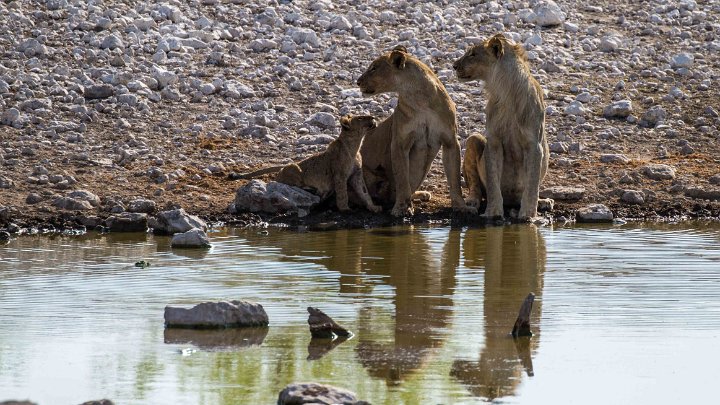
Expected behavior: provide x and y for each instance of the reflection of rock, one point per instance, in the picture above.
(17, 403)
(223, 314)
(100, 402)
(514, 261)
(317, 348)
(322, 326)
(312, 393)
(213, 339)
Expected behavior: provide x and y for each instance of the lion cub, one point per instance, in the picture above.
(513, 160)
(331, 170)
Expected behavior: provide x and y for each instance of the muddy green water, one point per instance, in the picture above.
(624, 315)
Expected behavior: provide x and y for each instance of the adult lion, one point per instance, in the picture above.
(397, 155)
(513, 160)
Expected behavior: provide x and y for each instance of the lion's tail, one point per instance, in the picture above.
(256, 173)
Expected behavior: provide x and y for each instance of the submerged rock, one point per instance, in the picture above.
(127, 222)
(194, 238)
(176, 221)
(99, 402)
(594, 213)
(313, 393)
(223, 314)
(258, 196)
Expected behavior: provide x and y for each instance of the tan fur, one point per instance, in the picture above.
(397, 155)
(331, 170)
(513, 160)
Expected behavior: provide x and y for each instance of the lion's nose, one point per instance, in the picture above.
(455, 65)
(358, 80)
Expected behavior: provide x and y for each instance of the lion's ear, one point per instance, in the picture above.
(400, 48)
(496, 45)
(398, 59)
(345, 122)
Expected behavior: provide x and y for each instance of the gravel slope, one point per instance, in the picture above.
(159, 102)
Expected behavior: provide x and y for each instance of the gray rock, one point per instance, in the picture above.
(658, 171)
(99, 402)
(10, 117)
(71, 204)
(633, 197)
(142, 205)
(85, 195)
(683, 60)
(614, 158)
(176, 221)
(6, 182)
(112, 42)
(575, 108)
(548, 13)
(164, 77)
(17, 403)
(33, 198)
(313, 393)
(563, 193)
(594, 213)
(98, 91)
(654, 115)
(257, 196)
(715, 179)
(304, 36)
(194, 238)
(127, 222)
(223, 314)
(618, 109)
(322, 120)
(703, 194)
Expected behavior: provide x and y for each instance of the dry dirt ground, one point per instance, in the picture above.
(117, 148)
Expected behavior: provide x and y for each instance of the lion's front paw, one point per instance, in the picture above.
(464, 208)
(374, 208)
(493, 213)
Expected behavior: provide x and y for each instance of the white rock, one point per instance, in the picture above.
(322, 119)
(176, 221)
(683, 60)
(304, 36)
(548, 13)
(194, 238)
(112, 42)
(575, 108)
(85, 195)
(621, 108)
(263, 45)
(340, 23)
(609, 43)
(594, 213)
(164, 77)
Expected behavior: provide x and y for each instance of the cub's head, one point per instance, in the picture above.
(357, 125)
(479, 60)
(381, 76)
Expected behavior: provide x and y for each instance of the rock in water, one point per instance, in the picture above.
(223, 314)
(595, 213)
(313, 393)
(322, 326)
(176, 221)
(127, 222)
(257, 196)
(194, 238)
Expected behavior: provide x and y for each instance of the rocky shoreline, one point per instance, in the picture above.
(149, 107)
